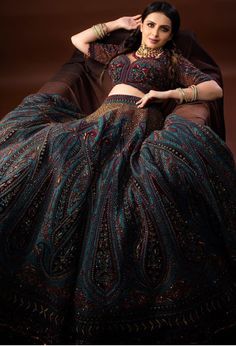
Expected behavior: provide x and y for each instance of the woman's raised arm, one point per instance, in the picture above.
(83, 38)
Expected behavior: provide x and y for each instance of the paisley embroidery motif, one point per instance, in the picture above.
(117, 225)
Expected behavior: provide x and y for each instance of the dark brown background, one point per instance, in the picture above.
(35, 41)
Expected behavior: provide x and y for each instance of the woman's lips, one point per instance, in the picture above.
(153, 41)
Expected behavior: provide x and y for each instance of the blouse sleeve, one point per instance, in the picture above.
(188, 74)
(103, 52)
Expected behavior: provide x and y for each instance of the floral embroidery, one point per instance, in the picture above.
(144, 74)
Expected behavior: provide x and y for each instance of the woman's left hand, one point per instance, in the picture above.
(153, 96)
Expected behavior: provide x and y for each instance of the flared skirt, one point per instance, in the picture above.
(117, 227)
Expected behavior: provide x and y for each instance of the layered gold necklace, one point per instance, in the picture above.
(147, 52)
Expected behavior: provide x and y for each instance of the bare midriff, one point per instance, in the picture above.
(124, 89)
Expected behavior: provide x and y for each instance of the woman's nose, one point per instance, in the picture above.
(156, 32)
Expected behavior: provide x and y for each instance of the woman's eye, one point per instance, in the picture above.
(150, 25)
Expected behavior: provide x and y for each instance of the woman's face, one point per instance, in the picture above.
(156, 30)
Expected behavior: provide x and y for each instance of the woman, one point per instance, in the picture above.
(119, 227)
(157, 32)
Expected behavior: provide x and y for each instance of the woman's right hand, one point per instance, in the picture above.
(130, 23)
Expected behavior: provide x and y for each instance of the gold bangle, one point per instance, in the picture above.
(96, 31)
(103, 32)
(105, 29)
(100, 30)
(188, 98)
(195, 93)
(182, 95)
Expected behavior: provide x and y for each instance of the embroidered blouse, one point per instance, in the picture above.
(144, 74)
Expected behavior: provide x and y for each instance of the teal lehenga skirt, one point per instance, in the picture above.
(115, 228)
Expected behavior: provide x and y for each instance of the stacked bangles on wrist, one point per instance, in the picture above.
(100, 30)
(183, 96)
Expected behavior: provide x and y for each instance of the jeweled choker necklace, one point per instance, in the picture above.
(147, 52)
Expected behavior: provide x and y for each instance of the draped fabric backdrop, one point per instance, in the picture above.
(35, 41)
